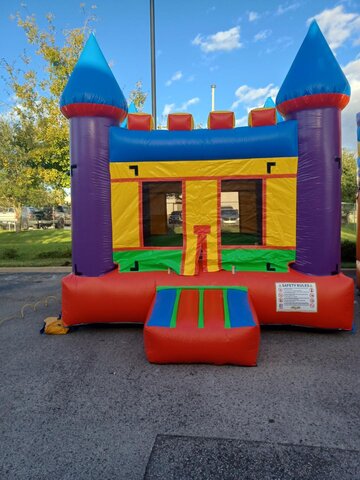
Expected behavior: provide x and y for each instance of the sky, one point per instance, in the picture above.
(244, 47)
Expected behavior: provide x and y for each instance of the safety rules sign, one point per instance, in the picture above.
(296, 297)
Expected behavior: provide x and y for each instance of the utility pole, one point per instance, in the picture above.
(153, 66)
(213, 97)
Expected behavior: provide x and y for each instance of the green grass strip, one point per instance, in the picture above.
(201, 308)
(175, 309)
(226, 310)
(201, 287)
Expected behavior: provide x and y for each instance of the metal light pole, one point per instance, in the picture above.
(213, 97)
(153, 66)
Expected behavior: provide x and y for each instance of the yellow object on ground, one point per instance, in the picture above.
(55, 326)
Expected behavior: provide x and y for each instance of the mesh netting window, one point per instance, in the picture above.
(241, 212)
(162, 214)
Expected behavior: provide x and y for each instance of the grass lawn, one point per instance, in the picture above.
(35, 248)
(348, 232)
(43, 248)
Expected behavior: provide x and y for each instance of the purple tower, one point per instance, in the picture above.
(314, 92)
(93, 101)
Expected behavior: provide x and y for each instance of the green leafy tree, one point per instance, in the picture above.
(348, 179)
(35, 134)
(19, 183)
(35, 146)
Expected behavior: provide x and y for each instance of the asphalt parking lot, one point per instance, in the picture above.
(89, 406)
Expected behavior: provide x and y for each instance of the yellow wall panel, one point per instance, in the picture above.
(204, 168)
(201, 210)
(280, 212)
(125, 214)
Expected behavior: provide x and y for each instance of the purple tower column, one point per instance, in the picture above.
(358, 206)
(90, 195)
(94, 102)
(318, 190)
(313, 93)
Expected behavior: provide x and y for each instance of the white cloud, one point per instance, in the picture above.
(254, 96)
(337, 25)
(287, 8)
(169, 107)
(262, 35)
(352, 72)
(188, 103)
(220, 41)
(177, 76)
(242, 122)
(253, 16)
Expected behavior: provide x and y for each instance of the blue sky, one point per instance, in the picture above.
(245, 47)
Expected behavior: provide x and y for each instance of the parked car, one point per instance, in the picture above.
(62, 216)
(8, 218)
(29, 218)
(45, 217)
(229, 216)
(175, 218)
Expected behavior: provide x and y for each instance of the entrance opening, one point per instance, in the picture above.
(162, 214)
(241, 212)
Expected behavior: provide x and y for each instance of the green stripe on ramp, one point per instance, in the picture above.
(201, 309)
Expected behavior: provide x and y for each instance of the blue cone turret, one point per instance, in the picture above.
(315, 78)
(92, 88)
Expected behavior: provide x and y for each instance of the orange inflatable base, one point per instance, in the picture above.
(127, 297)
(217, 340)
(219, 347)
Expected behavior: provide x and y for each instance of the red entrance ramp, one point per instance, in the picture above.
(202, 325)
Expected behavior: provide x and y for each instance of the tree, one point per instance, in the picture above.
(34, 148)
(348, 179)
(37, 134)
(21, 182)
(138, 96)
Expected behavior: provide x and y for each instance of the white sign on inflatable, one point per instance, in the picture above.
(296, 297)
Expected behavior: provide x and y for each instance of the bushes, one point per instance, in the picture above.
(10, 253)
(65, 253)
(348, 251)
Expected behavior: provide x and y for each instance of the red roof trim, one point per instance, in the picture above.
(318, 100)
(93, 110)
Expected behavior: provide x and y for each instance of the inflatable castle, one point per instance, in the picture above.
(358, 207)
(204, 235)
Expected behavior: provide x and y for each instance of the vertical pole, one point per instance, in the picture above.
(153, 65)
(213, 97)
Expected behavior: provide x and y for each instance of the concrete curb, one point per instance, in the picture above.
(35, 270)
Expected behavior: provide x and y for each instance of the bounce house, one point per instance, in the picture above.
(358, 207)
(204, 235)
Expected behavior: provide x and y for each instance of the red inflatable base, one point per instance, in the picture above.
(127, 297)
(215, 341)
(218, 347)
